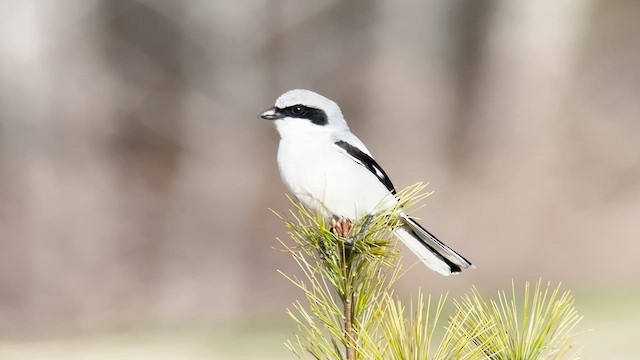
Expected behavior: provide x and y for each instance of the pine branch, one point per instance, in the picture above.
(358, 268)
(348, 329)
(540, 328)
(351, 311)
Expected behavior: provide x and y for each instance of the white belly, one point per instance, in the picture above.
(327, 180)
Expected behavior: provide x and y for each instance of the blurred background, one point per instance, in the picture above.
(135, 177)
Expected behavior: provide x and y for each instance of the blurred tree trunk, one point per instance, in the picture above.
(609, 58)
(469, 28)
(18, 148)
(144, 48)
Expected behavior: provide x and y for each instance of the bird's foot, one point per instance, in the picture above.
(340, 226)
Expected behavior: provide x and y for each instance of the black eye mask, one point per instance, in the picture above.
(316, 116)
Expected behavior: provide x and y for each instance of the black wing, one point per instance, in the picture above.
(368, 162)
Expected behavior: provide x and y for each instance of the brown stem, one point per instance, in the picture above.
(348, 328)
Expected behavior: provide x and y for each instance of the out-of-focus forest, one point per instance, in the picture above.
(135, 176)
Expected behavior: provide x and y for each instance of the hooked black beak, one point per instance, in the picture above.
(272, 114)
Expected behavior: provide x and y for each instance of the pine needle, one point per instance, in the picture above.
(350, 310)
(541, 328)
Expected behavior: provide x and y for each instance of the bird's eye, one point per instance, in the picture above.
(297, 110)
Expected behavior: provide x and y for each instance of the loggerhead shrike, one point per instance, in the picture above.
(328, 169)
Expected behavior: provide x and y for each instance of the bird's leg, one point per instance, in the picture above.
(340, 227)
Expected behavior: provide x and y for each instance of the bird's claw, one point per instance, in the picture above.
(340, 226)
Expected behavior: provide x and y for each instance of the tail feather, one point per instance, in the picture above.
(434, 253)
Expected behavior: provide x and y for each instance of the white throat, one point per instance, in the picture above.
(296, 127)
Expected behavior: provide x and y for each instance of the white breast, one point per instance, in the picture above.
(327, 180)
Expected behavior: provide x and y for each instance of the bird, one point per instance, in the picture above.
(330, 171)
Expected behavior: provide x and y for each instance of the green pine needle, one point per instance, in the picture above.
(351, 311)
(541, 327)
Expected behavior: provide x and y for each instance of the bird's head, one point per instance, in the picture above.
(302, 111)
